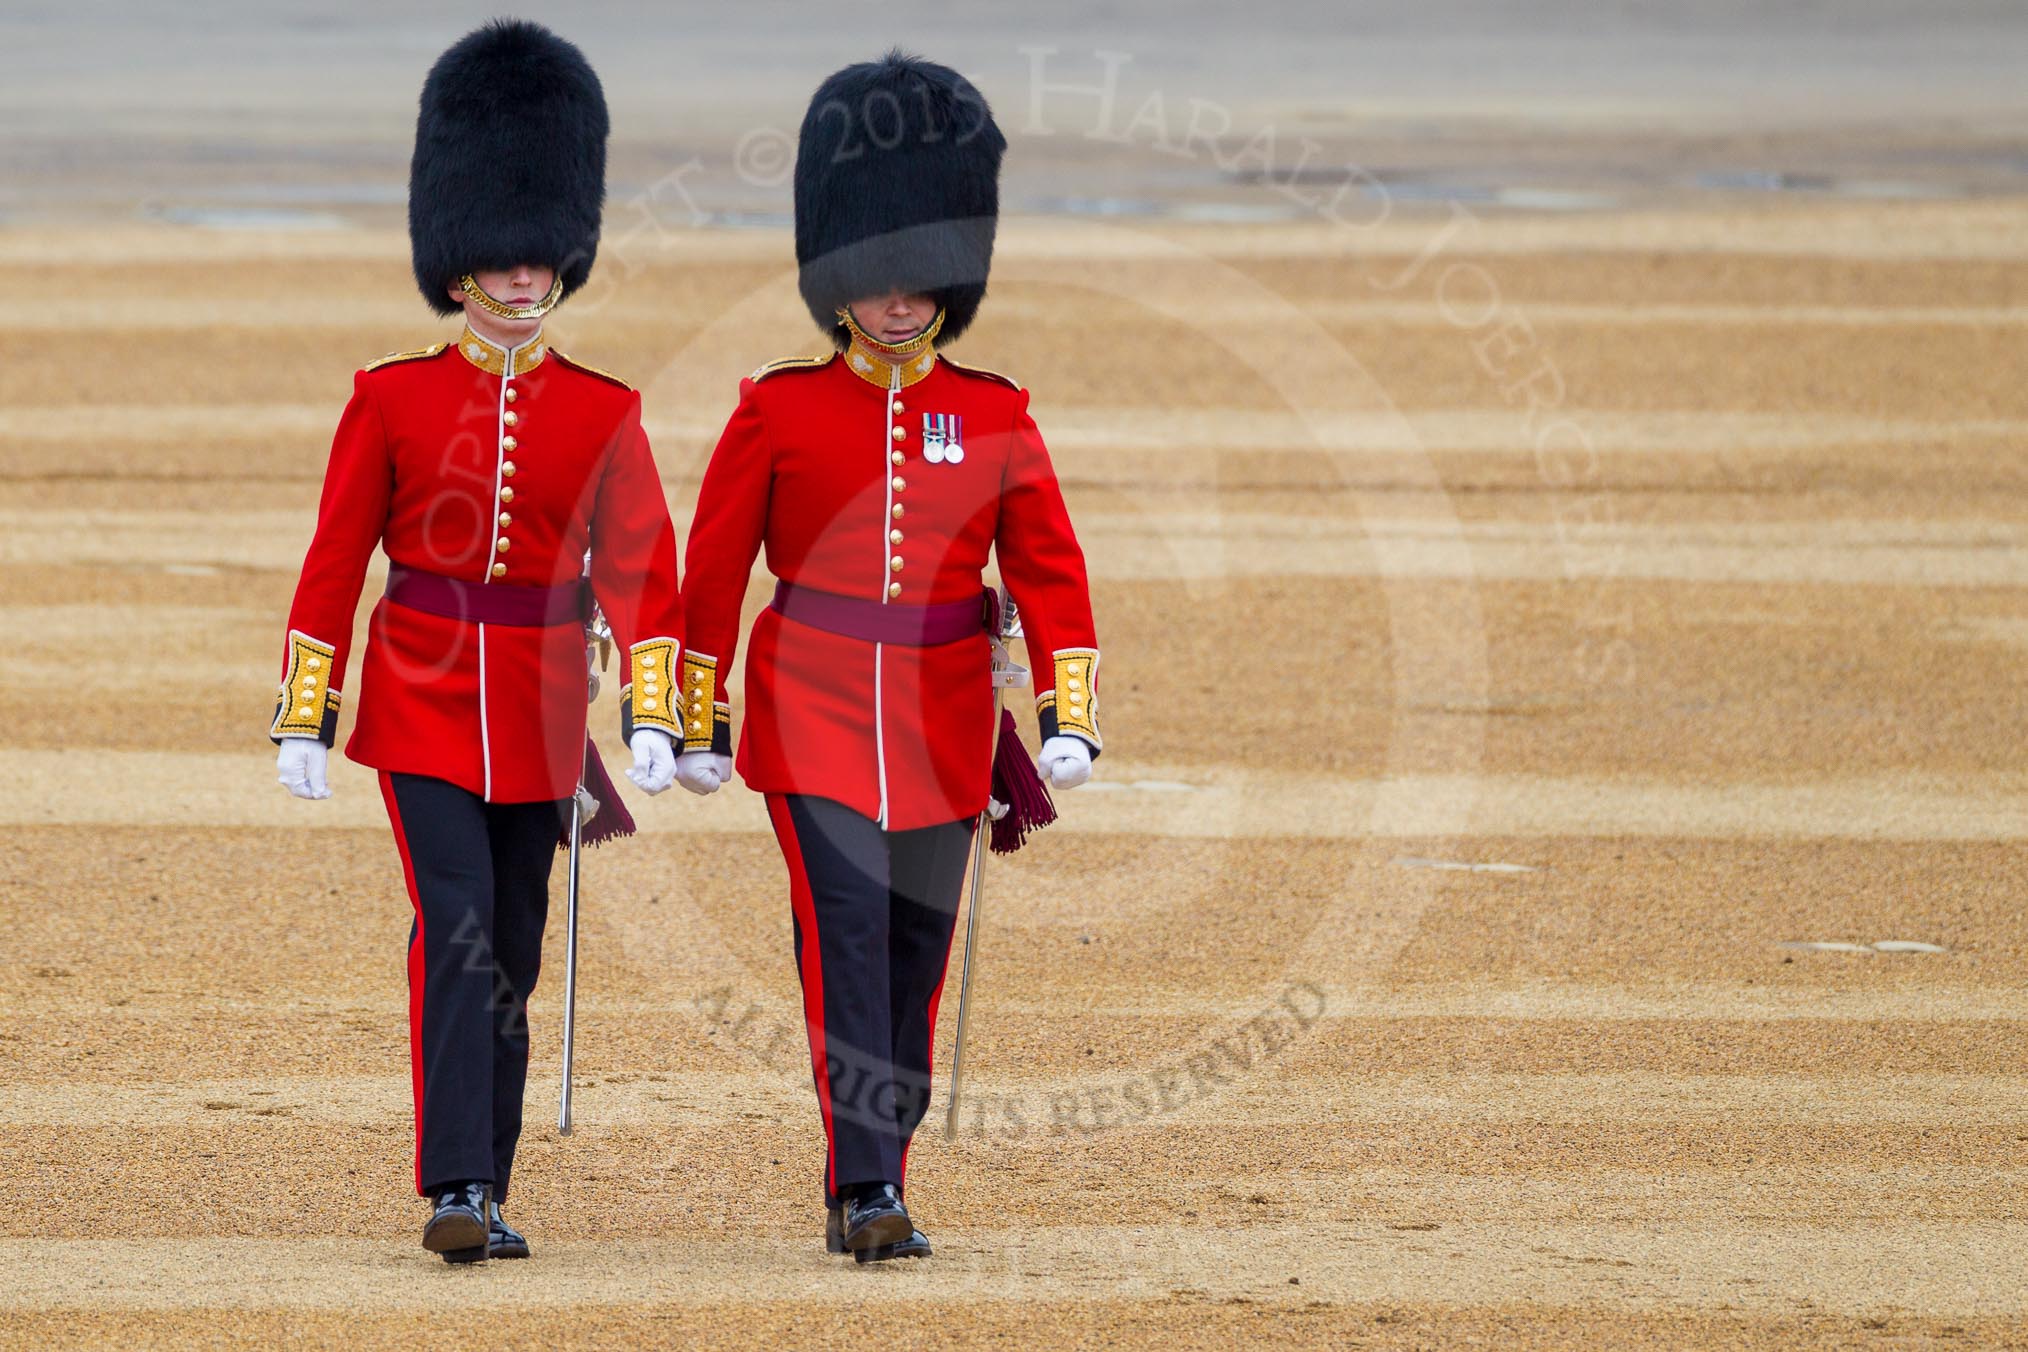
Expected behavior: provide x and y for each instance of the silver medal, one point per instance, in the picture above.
(941, 440)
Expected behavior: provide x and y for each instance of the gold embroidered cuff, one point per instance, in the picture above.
(305, 704)
(647, 700)
(702, 709)
(1071, 703)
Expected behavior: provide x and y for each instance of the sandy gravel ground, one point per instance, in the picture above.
(1523, 644)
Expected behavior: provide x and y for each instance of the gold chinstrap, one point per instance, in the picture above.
(892, 352)
(478, 296)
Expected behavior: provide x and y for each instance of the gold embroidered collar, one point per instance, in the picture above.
(496, 360)
(883, 374)
(890, 366)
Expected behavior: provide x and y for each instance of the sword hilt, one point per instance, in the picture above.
(1007, 673)
(1010, 616)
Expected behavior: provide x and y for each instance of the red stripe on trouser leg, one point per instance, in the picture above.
(804, 908)
(929, 1054)
(415, 969)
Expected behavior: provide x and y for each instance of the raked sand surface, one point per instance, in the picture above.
(1545, 659)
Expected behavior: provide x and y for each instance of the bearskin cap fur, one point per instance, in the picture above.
(897, 188)
(510, 160)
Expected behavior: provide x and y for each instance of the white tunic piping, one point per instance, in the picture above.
(486, 570)
(886, 516)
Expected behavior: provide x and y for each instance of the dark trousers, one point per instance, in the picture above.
(478, 876)
(874, 913)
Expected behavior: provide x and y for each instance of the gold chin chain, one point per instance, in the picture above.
(505, 311)
(894, 352)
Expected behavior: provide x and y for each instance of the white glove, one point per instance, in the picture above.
(299, 767)
(701, 772)
(654, 764)
(1067, 761)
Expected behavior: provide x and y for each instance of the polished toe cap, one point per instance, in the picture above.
(876, 1218)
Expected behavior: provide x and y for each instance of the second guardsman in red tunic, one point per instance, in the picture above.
(485, 468)
(880, 481)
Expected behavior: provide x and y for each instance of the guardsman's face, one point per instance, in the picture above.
(895, 317)
(522, 284)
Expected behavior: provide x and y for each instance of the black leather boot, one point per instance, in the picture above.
(457, 1224)
(917, 1245)
(875, 1218)
(502, 1239)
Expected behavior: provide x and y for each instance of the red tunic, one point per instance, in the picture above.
(853, 489)
(498, 469)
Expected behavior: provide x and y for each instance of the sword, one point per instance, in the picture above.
(601, 644)
(1007, 674)
(570, 963)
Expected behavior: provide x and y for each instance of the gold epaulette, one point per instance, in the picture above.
(416, 354)
(762, 372)
(1009, 381)
(588, 369)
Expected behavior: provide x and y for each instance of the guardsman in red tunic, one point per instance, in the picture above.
(486, 469)
(880, 480)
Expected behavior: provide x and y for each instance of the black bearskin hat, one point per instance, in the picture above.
(897, 188)
(510, 160)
